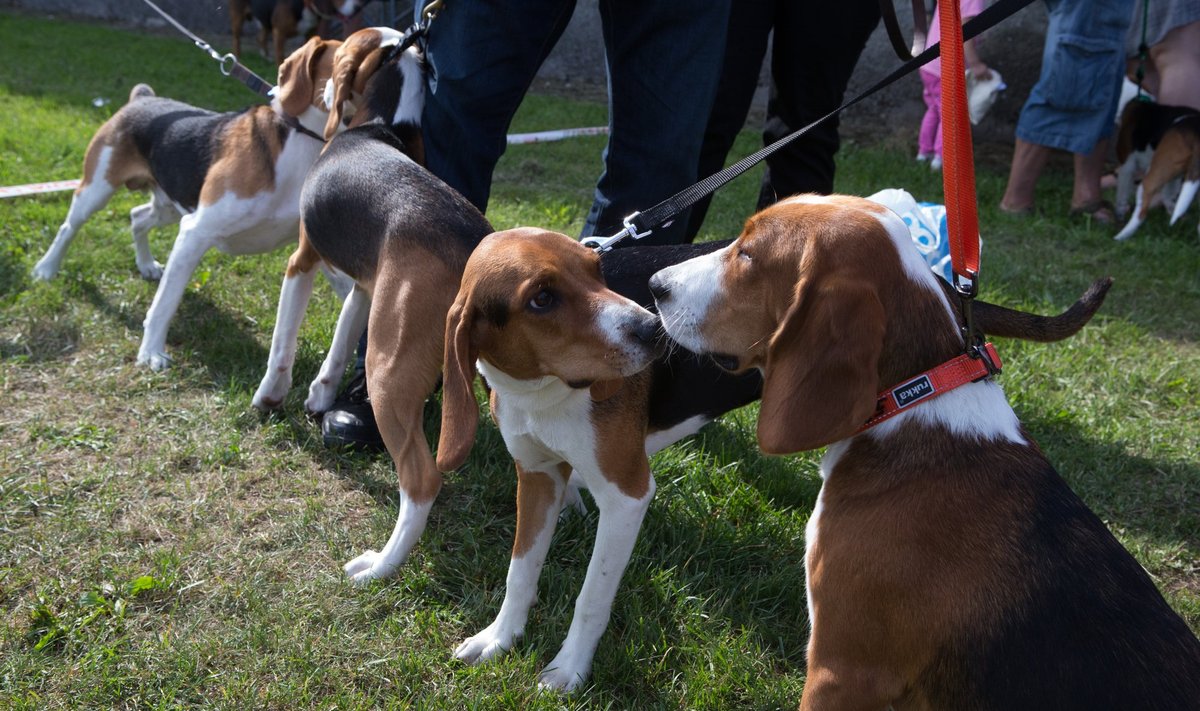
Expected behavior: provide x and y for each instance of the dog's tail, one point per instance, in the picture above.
(140, 91)
(1186, 194)
(996, 320)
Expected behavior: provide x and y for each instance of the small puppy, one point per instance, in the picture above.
(948, 564)
(232, 180)
(1164, 141)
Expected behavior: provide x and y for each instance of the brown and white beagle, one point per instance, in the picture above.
(231, 180)
(1163, 141)
(948, 564)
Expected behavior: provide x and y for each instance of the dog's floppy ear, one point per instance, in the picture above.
(821, 374)
(354, 64)
(460, 409)
(296, 77)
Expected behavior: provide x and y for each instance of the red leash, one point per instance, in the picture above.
(958, 166)
(980, 360)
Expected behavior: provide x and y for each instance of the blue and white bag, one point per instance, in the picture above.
(926, 225)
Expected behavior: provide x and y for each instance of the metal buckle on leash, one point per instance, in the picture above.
(967, 288)
(228, 62)
(604, 244)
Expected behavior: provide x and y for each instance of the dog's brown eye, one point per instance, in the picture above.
(542, 301)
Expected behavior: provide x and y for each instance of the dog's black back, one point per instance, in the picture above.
(1143, 123)
(170, 134)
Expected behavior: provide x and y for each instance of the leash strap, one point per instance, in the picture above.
(640, 224)
(920, 28)
(958, 167)
(230, 66)
(954, 373)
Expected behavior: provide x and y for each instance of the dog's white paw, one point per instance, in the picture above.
(152, 271)
(44, 271)
(564, 674)
(156, 360)
(320, 397)
(368, 566)
(271, 392)
(488, 644)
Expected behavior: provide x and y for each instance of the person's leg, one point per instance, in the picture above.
(664, 62)
(815, 49)
(1177, 59)
(745, 47)
(481, 58)
(1028, 161)
(932, 121)
(1089, 167)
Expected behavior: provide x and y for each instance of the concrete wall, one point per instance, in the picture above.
(577, 63)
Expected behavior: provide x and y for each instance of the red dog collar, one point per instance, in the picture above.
(954, 373)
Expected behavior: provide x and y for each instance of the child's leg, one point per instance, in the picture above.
(929, 139)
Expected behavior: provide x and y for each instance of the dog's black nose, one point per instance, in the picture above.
(646, 330)
(659, 288)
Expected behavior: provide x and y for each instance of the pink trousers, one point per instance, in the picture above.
(929, 141)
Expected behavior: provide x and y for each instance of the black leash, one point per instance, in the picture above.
(640, 224)
(230, 66)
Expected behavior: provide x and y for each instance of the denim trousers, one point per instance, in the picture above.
(1074, 101)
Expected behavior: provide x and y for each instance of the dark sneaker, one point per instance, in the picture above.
(350, 422)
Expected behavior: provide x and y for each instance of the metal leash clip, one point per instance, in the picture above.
(604, 244)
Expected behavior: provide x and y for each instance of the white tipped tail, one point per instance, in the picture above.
(1186, 194)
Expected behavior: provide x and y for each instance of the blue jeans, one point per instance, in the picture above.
(1073, 104)
(663, 61)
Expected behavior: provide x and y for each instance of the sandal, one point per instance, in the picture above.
(1100, 211)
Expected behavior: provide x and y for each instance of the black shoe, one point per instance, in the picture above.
(351, 422)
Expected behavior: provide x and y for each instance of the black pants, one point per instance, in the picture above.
(816, 45)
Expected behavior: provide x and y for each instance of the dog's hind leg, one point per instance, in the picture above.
(93, 194)
(539, 497)
(1136, 218)
(156, 213)
(293, 301)
(404, 359)
(350, 324)
(1186, 195)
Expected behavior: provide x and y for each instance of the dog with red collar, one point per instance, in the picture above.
(1164, 142)
(583, 394)
(948, 564)
(231, 180)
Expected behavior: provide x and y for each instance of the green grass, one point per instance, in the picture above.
(163, 546)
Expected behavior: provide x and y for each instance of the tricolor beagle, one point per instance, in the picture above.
(231, 180)
(1164, 141)
(405, 240)
(578, 385)
(948, 564)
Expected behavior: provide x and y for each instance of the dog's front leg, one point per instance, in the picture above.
(539, 498)
(190, 246)
(621, 517)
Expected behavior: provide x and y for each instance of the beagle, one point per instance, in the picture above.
(1164, 141)
(405, 242)
(231, 180)
(948, 564)
(580, 390)
(281, 19)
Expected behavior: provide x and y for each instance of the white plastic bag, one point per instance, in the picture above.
(926, 225)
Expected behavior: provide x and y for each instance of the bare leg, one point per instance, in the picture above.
(1028, 161)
